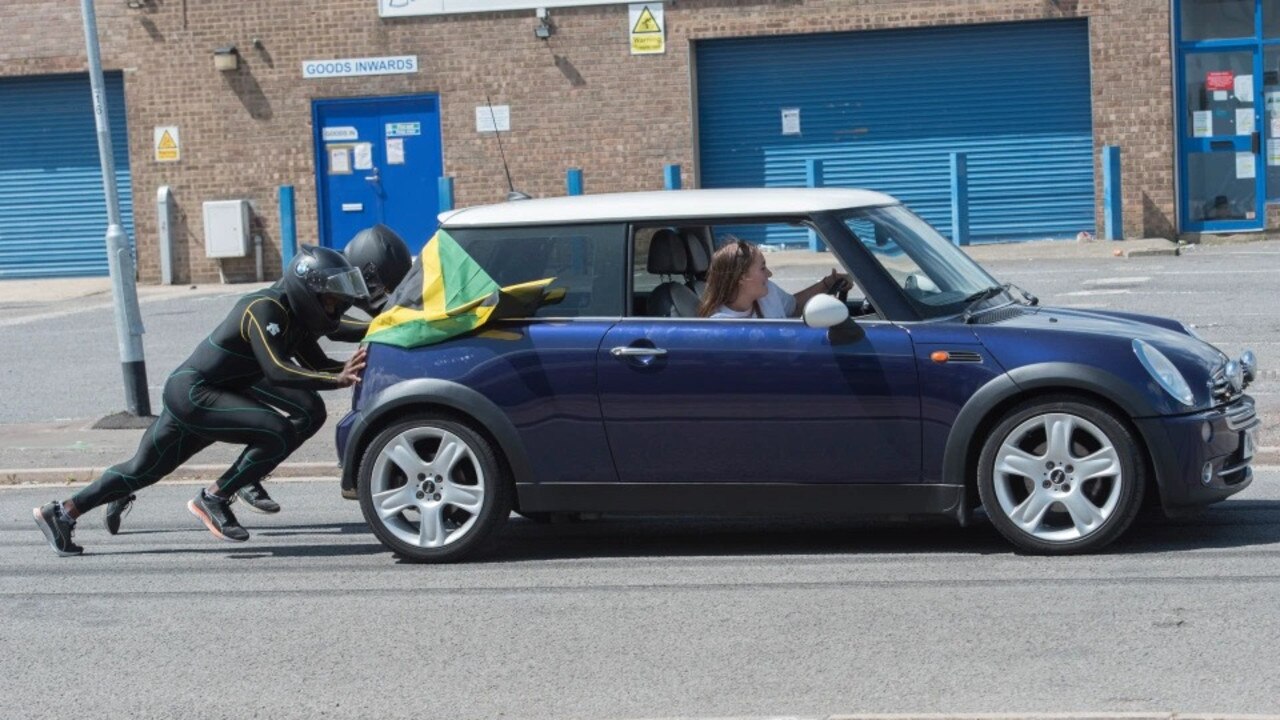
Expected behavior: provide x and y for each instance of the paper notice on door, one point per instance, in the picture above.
(1273, 153)
(364, 155)
(1202, 123)
(339, 160)
(1219, 94)
(1245, 167)
(1243, 89)
(1244, 121)
(395, 151)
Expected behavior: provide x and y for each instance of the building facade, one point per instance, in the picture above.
(361, 105)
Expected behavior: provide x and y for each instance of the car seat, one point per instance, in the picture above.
(699, 261)
(669, 257)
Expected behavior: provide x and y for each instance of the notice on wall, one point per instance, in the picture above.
(1202, 123)
(1245, 166)
(1243, 88)
(1273, 153)
(790, 121)
(1244, 121)
(493, 118)
(648, 29)
(339, 159)
(363, 155)
(395, 151)
(167, 144)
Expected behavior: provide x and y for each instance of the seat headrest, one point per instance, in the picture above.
(667, 255)
(699, 255)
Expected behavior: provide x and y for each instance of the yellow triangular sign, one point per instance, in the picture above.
(166, 142)
(646, 23)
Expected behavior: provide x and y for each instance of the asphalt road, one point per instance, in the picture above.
(628, 618)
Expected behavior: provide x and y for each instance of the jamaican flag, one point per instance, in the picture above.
(447, 293)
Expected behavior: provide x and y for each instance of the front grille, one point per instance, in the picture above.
(1240, 414)
(1220, 386)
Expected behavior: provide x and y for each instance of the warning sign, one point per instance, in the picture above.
(168, 147)
(648, 33)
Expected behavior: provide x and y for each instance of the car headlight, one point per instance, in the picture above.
(1164, 372)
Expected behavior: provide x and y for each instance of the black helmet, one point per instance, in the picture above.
(383, 258)
(321, 286)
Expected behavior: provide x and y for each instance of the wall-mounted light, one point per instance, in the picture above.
(226, 58)
(543, 29)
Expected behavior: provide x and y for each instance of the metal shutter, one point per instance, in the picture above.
(53, 215)
(884, 110)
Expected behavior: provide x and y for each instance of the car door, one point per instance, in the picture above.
(742, 401)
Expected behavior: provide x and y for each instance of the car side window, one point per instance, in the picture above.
(588, 261)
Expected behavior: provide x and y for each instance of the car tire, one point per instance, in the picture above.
(1061, 475)
(433, 490)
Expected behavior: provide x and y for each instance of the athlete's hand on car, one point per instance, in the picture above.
(350, 374)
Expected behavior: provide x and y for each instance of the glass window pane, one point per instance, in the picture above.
(1215, 19)
(1219, 190)
(1271, 18)
(1271, 120)
(1211, 82)
(588, 261)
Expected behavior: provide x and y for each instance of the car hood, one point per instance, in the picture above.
(1102, 340)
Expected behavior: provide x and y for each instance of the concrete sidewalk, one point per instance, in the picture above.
(75, 452)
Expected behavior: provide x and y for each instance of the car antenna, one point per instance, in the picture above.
(512, 193)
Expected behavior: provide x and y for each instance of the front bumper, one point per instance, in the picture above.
(1180, 453)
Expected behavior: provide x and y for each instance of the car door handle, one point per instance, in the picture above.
(637, 352)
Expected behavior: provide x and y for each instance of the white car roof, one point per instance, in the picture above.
(664, 205)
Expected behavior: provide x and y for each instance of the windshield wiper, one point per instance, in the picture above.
(1031, 299)
(979, 297)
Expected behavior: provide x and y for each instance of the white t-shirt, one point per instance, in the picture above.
(776, 304)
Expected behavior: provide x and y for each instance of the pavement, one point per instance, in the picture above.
(73, 452)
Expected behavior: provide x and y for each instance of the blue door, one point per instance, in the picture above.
(378, 161)
(741, 401)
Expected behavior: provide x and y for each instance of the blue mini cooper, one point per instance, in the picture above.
(932, 390)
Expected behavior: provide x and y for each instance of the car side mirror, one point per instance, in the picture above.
(824, 311)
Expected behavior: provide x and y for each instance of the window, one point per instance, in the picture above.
(586, 260)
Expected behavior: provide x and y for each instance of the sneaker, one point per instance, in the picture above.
(216, 515)
(256, 497)
(116, 510)
(57, 529)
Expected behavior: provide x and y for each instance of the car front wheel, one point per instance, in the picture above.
(432, 489)
(1061, 475)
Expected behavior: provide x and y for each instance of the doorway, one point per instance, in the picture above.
(378, 160)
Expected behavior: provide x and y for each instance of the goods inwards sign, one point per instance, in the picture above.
(352, 67)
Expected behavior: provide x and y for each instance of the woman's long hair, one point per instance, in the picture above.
(728, 265)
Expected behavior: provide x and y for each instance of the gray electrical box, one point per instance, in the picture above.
(226, 228)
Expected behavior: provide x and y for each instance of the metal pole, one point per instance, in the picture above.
(288, 227)
(959, 198)
(1112, 204)
(124, 290)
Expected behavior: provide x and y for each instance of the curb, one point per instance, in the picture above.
(83, 475)
(995, 716)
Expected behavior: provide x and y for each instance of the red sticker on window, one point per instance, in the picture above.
(1218, 80)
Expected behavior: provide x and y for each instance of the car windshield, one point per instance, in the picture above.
(936, 276)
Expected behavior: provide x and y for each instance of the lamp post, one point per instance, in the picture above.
(124, 290)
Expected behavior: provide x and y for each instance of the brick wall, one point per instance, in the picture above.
(577, 99)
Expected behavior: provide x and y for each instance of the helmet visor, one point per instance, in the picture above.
(346, 284)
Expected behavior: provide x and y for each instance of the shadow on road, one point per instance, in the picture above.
(1236, 524)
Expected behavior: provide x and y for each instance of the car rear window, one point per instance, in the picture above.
(588, 261)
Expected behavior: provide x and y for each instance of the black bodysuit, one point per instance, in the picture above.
(259, 358)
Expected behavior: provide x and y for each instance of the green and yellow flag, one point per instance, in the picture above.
(447, 293)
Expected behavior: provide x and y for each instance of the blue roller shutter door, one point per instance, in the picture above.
(884, 110)
(53, 216)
